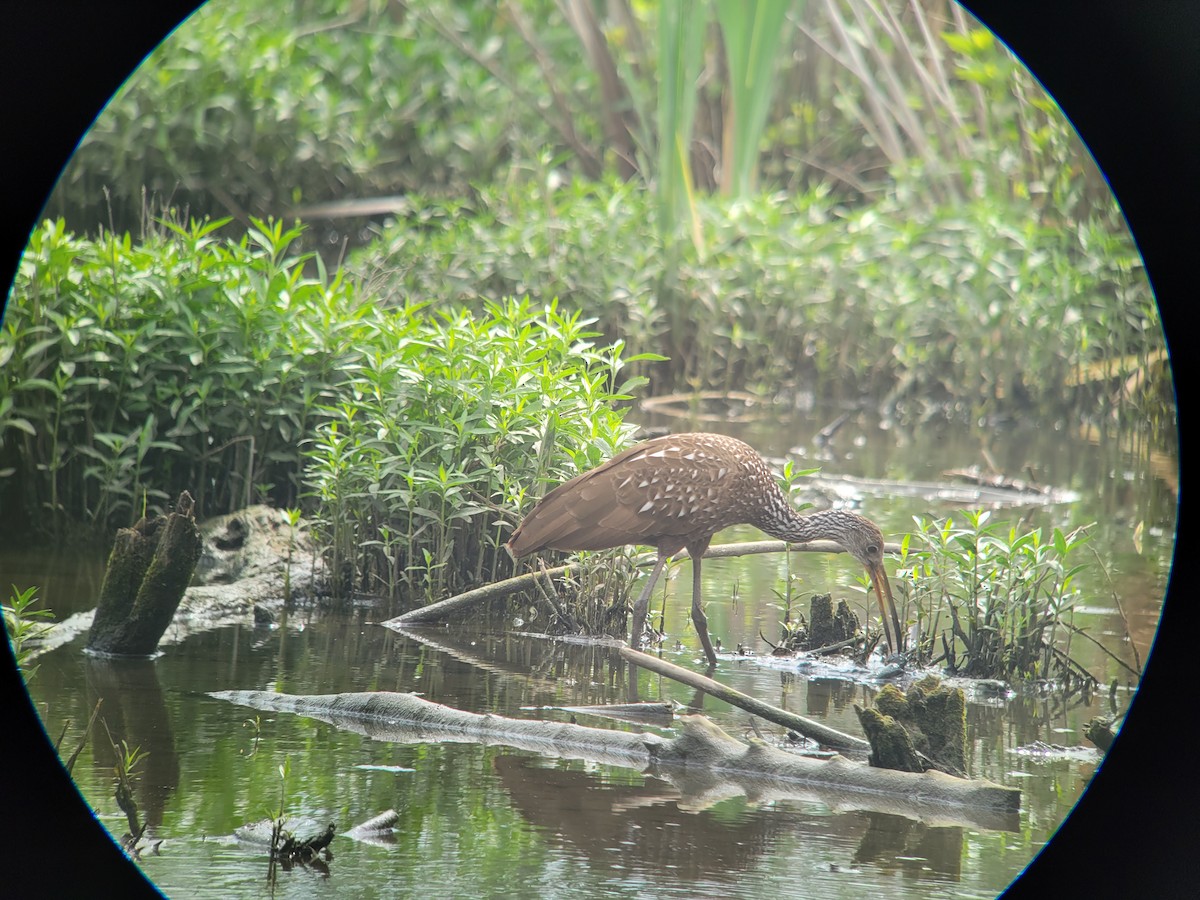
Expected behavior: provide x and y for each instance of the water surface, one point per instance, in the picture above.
(480, 820)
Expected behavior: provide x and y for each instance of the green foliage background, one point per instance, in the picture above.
(905, 201)
(252, 109)
(132, 371)
(798, 291)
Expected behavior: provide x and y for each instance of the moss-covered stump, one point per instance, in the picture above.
(934, 719)
(891, 745)
(150, 567)
(827, 627)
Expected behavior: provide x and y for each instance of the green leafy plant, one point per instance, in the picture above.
(990, 601)
(914, 306)
(279, 835)
(293, 520)
(23, 624)
(183, 359)
(446, 428)
(792, 482)
(245, 113)
(125, 777)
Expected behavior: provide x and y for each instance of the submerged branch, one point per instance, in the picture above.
(435, 612)
(823, 734)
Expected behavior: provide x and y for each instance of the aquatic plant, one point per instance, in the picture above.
(241, 112)
(990, 601)
(247, 372)
(131, 369)
(23, 624)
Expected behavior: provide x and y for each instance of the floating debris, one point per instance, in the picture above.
(1042, 750)
(373, 768)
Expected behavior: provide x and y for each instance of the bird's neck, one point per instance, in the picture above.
(782, 522)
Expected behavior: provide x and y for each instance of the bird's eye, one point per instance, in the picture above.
(872, 549)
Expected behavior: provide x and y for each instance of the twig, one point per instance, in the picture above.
(1137, 659)
(564, 128)
(436, 611)
(887, 135)
(1075, 629)
(542, 570)
(70, 763)
(833, 648)
(581, 15)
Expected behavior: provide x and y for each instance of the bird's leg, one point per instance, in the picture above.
(698, 617)
(642, 605)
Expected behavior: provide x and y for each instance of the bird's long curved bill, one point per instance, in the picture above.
(887, 608)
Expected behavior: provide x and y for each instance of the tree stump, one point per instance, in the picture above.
(891, 744)
(927, 727)
(827, 627)
(1102, 732)
(150, 567)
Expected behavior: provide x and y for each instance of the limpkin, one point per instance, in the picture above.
(678, 491)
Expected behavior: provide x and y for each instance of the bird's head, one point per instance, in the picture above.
(863, 540)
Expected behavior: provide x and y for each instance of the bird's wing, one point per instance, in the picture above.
(655, 490)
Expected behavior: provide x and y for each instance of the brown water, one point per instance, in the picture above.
(489, 821)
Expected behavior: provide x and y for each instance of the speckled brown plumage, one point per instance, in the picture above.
(678, 491)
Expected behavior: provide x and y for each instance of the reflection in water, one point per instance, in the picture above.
(644, 821)
(826, 694)
(714, 837)
(896, 842)
(654, 830)
(132, 706)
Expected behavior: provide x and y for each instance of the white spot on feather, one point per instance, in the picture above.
(648, 506)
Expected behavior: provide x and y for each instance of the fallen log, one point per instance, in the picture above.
(822, 734)
(660, 715)
(381, 825)
(703, 762)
